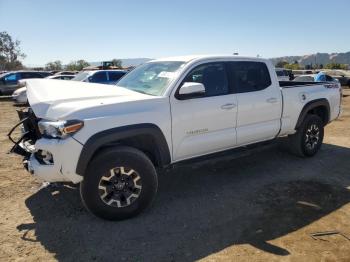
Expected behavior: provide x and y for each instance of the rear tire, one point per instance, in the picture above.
(119, 183)
(307, 141)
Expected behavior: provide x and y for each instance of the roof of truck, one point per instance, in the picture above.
(200, 57)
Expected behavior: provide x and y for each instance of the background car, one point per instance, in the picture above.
(342, 76)
(45, 73)
(100, 76)
(66, 73)
(312, 78)
(61, 77)
(9, 82)
(283, 74)
(20, 95)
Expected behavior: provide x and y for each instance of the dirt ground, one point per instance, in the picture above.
(261, 207)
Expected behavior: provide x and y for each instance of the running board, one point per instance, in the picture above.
(227, 154)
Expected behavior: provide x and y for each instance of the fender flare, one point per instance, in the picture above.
(98, 140)
(311, 105)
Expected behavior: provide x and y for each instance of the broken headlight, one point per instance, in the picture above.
(59, 129)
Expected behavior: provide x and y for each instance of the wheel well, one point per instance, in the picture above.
(144, 143)
(320, 111)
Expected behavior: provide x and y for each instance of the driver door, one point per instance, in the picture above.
(204, 124)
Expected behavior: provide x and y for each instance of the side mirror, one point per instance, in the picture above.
(192, 88)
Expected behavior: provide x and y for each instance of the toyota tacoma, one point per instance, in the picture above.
(114, 139)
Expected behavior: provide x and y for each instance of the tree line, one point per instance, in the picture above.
(295, 66)
(11, 56)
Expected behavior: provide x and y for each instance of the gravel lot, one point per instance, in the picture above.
(261, 207)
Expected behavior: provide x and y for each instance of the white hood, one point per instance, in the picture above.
(57, 99)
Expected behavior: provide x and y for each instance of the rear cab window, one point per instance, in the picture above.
(248, 76)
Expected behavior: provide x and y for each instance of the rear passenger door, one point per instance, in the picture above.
(259, 101)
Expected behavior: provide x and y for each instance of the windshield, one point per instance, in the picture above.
(81, 76)
(151, 78)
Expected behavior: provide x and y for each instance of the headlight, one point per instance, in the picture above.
(59, 129)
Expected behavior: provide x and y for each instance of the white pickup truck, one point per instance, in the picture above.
(112, 139)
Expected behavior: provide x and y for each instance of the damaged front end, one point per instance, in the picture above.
(24, 145)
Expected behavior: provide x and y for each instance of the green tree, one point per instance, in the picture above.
(294, 66)
(55, 65)
(77, 65)
(10, 52)
(336, 66)
(117, 62)
(281, 64)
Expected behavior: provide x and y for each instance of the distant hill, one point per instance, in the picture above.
(127, 62)
(318, 58)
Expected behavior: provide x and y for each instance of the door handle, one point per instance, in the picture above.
(272, 100)
(228, 106)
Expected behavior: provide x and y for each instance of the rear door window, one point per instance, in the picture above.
(246, 76)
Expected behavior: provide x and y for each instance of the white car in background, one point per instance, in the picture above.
(20, 95)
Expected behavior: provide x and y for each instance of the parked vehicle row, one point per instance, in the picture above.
(314, 78)
(98, 76)
(113, 139)
(341, 75)
(9, 82)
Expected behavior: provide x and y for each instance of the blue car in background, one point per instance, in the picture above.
(109, 77)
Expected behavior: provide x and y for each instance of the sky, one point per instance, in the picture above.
(102, 30)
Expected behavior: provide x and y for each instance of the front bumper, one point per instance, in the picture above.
(64, 153)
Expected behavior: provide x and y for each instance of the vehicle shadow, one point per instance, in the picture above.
(200, 211)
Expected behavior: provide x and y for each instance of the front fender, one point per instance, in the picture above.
(98, 140)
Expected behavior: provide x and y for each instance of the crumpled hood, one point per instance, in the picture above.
(58, 99)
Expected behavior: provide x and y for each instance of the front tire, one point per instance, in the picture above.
(307, 141)
(119, 183)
